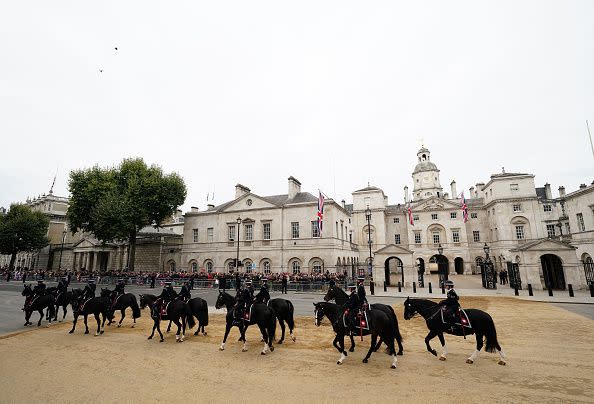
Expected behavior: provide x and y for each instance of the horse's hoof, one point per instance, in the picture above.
(86, 332)
(280, 342)
(48, 325)
(97, 334)
(442, 358)
(271, 349)
(502, 363)
(262, 353)
(338, 362)
(102, 331)
(393, 367)
(351, 349)
(119, 325)
(221, 348)
(150, 338)
(243, 349)
(196, 333)
(434, 352)
(161, 340)
(469, 361)
(365, 361)
(133, 325)
(294, 339)
(204, 334)
(71, 332)
(400, 353)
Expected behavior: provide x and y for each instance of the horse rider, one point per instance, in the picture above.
(184, 293)
(351, 307)
(62, 286)
(119, 289)
(244, 301)
(89, 291)
(264, 291)
(361, 291)
(450, 303)
(39, 289)
(167, 295)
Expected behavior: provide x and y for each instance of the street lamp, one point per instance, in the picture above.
(441, 271)
(237, 259)
(486, 249)
(62, 249)
(488, 273)
(440, 249)
(368, 217)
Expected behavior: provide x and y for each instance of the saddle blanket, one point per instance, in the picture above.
(361, 320)
(461, 317)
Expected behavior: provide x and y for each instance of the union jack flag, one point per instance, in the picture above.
(320, 212)
(410, 216)
(464, 209)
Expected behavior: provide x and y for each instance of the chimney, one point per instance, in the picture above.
(343, 204)
(193, 209)
(582, 186)
(479, 189)
(209, 206)
(561, 191)
(294, 187)
(241, 190)
(406, 194)
(453, 189)
(548, 193)
(472, 192)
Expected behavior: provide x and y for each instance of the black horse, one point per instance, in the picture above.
(337, 294)
(95, 306)
(199, 309)
(121, 303)
(480, 323)
(177, 311)
(379, 325)
(261, 315)
(37, 303)
(62, 299)
(283, 309)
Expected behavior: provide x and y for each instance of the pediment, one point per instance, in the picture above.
(393, 249)
(436, 204)
(545, 244)
(248, 202)
(85, 243)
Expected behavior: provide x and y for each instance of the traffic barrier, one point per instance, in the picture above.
(530, 292)
(430, 288)
(516, 291)
(399, 287)
(550, 290)
(385, 287)
(570, 287)
(414, 287)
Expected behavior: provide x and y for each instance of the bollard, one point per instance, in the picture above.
(570, 287)
(372, 288)
(530, 293)
(592, 290)
(414, 287)
(516, 291)
(430, 289)
(442, 289)
(385, 287)
(550, 290)
(399, 287)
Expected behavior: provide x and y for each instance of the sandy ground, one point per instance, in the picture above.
(549, 350)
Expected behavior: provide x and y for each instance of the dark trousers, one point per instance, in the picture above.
(284, 289)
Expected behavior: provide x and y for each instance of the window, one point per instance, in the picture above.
(396, 238)
(209, 266)
(249, 232)
(434, 216)
(294, 229)
(416, 218)
(453, 215)
(266, 267)
(436, 237)
(315, 232)
(474, 215)
(551, 230)
(231, 233)
(567, 228)
(231, 265)
(266, 231)
(520, 232)
(580, 221)
(417, 237)
(456, 236)
(195, 235)
(209, 235)
(248, 266)
(547, 208)
(194, 267)
(514, 187)
(396, 220)
(317, 267)
(517, 208)
(476, 236)
(296, 267)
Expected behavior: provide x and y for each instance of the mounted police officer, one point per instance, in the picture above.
(89, 291)
(167, 295)
(184, 293)
(39, 289)
(450, 304)
(351, 307)
(361, 291)
(62, 286)
(119, 289)
(264, 291)
(244, 301)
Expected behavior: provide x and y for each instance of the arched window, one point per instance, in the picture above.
(172, 266)
(296, 267)
(194, 266)
(209, 266)
(266, 267)
(317, 267)
(248, 266)
(230, 266)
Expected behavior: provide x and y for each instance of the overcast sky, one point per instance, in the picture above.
(335, 93)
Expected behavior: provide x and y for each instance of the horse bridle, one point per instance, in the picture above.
(418, 312)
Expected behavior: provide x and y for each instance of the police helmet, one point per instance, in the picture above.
(167, 283)
(352, 286)
(39, 280)
(248, 281)
(121, 280)
(360, 278)
(449, 283)
(91, 281)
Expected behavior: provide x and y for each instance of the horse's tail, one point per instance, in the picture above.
(135, 307)
(204, 315)
(290, 319)
(491, 344)
(272, 326)
(189, 316)
(397, 334)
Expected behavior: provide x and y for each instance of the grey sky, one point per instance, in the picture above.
(335, 93)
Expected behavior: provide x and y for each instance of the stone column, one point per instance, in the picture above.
(73, 260)
(109, 261)
(96, 261)
(86, 260)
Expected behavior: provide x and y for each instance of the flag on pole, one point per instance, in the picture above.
(320, 212)
(464, 209)
(410, 216)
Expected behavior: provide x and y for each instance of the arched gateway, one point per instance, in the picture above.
(552, 271)
(393, 271)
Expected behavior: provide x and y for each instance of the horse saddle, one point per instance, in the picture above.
(460, 318)
(163, 311)
(361, 320)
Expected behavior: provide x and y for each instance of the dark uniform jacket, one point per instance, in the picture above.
(353, 303)
(184, 293)
(39, 289)
(451, 301)
(361, 293)
(168, 294)
(119, 289)
(62, 285)
(89, 291)
(264, 293)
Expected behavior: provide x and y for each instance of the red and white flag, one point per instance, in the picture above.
(320, 212)
(410, 216)
(464, 209)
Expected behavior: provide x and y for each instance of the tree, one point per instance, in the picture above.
(22, 229)
(115, 203)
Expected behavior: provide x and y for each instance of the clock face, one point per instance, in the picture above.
(425, 180)
(249, 202)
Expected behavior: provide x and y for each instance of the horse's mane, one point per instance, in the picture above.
(424, 303)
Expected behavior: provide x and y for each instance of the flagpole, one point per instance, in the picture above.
(590, 136)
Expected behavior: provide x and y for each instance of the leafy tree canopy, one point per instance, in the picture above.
(22, 229)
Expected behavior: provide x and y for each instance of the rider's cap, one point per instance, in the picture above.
(360, 278)
(167, 283)
(39, 280)
(91, 280)
(248, 282)
(120, 280)
(449, 283)
(352, 285)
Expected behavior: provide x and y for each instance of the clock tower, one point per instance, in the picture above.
(426, 177)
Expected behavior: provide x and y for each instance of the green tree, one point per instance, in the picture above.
(22, 229)
(115, 203)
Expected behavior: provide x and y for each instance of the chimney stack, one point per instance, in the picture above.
(582, 186)
(343, 204)
(405, 194)
(561, 191)
(209, 206)
(193, 209)
(453, 189)
(472, 192)
(294, 187)
(241, 190)
(548, 193)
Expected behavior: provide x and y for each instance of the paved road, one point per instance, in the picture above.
(12, 318)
